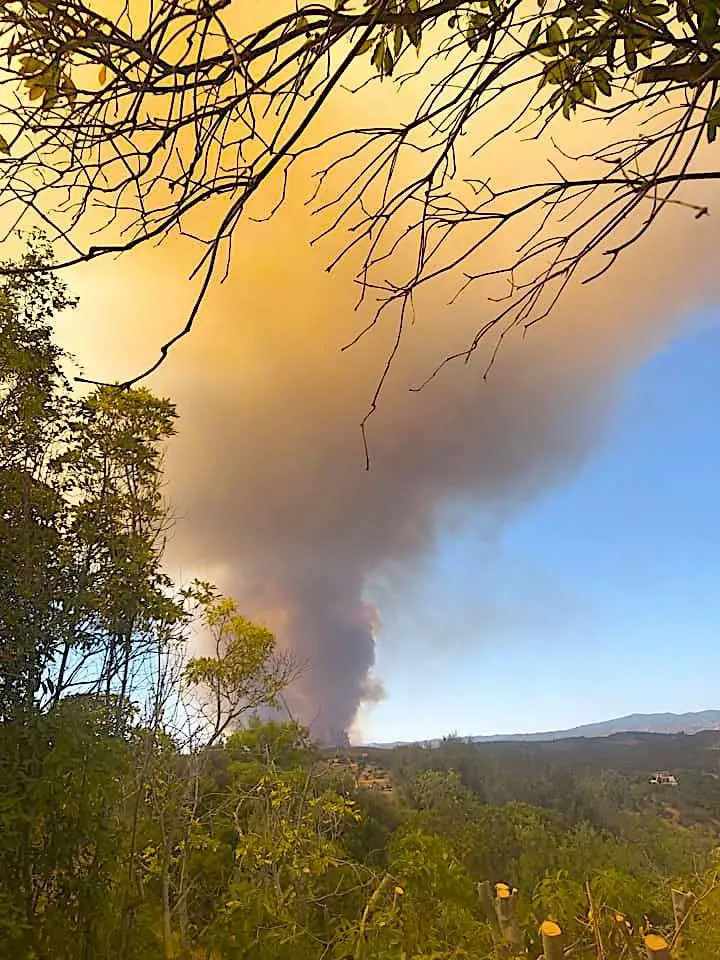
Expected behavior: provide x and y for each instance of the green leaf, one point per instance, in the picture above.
(713, 121)
(611, 55)
(414, 33)
(553, 38)
(644, 47)
(397, 40)
(378, 55)
(630, 54)
(535, 33)
(4, 145)
(69, 89)
(365, 46)
(554, 33)
(31, 65)
(47, 80)
(556, 72)
(602, 81)
(588, 90)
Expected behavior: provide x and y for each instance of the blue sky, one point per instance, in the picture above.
(601, 598)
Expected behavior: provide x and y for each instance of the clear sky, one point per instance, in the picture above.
(602, 598)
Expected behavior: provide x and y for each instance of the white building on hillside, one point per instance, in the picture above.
(666, 779)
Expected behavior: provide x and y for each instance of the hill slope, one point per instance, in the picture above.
(635, 723)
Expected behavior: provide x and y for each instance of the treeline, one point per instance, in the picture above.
(596, 780)
(146, 813)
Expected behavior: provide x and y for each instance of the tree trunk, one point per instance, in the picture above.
(167, 920)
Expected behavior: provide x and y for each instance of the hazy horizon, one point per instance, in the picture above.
(606, 722)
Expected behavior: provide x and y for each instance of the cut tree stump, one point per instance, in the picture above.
(551, 940)
(657, 947)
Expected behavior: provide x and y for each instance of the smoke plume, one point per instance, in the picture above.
(268, 474)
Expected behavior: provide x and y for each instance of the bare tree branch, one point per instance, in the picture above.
(171, 118)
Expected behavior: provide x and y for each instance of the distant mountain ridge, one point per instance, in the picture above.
(634, 723)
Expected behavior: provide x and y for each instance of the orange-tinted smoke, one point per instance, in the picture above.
(267, 475)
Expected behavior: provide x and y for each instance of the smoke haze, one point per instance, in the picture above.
(268, 474)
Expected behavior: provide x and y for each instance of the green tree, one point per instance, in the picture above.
(86, 616)
(118, 524)
(34, 413)
(61, 781)
(429, 909)
(245, 673)
(81, 514)
(188, 852)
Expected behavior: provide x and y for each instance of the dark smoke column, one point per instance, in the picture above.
(332, 633)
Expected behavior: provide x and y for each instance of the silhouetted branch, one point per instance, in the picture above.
(123, 131)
